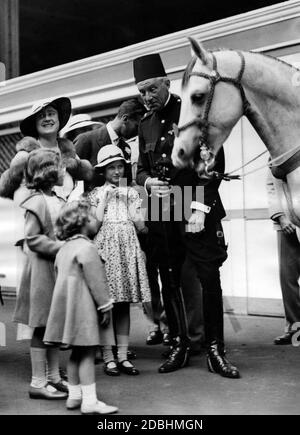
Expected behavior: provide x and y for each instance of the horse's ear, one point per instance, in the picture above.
(199, 50)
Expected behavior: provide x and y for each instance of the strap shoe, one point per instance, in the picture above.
(128, 369)
(110, 368)
(47, 392)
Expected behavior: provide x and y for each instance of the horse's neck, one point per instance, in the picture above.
(274, 99)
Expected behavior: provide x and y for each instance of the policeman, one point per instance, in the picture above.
(199, 236)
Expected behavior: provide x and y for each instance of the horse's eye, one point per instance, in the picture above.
(197, 98)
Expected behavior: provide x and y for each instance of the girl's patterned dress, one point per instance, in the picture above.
(118, 245)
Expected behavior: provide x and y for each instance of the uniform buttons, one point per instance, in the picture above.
(162, 138)
(163, 121)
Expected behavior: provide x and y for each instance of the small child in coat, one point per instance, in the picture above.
(80, 302)
(117, 210)
(43, 171)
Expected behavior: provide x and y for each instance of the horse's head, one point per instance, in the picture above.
(210, 108)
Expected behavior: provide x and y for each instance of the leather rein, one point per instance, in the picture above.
(202, 122)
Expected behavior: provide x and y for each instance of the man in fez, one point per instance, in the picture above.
(200, 237)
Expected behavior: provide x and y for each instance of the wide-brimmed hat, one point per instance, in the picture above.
(108, 154)
(148, 67)
(63, 107)
(80, 120)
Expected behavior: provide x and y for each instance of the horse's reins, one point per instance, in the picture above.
(206, 154)
(269, 164)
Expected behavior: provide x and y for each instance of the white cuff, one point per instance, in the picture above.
(106, 307)
(195, 205)
(145, 186)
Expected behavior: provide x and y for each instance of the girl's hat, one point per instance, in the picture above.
(79, 121)
(108, 154)
(63, 107)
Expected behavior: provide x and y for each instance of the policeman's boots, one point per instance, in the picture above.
(178, 356)
(218, 363)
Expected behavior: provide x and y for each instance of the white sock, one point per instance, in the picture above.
(108, 354)
(38, 365)
(53, 365)
(75, 391)
(122, 346)
(89, 395)
(122, 353)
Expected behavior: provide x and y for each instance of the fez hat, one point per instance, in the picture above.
(78, 121)
(63, 107)
(148, 67)
(108, 154)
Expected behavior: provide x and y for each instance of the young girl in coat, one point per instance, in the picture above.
(80, 301)
(43, 171)
(117, 209)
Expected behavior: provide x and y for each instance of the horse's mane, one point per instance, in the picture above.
(268, 56)
(191, 64)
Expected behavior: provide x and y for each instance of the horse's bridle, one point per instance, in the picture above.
(206, 154)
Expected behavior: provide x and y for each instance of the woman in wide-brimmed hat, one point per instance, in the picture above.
(40, 129)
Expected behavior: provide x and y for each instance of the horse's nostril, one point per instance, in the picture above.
(181, 152)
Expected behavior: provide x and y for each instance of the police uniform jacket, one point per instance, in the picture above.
(156, 137)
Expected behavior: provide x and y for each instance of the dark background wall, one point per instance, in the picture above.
(53, 32)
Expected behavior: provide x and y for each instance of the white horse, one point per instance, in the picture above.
(218, 88)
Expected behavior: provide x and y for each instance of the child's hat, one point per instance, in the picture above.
(63, 107)
(108, 154)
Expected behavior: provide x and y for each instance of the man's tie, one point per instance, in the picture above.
(125, 147)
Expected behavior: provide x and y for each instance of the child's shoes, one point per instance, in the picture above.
(47, 392)
(73, 403)
(128, 368)
(60, 386)
(110, 368)
(98, 408)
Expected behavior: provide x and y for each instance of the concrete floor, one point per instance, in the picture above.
(269, 383)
